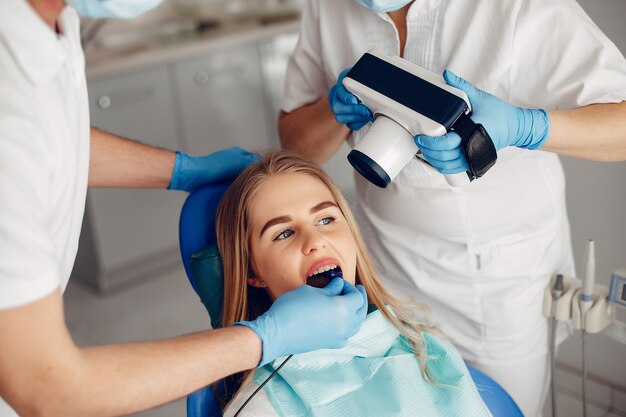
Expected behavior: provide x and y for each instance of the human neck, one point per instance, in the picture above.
(399, 20)
(48, 10)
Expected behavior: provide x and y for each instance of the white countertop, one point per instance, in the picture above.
(105, 62)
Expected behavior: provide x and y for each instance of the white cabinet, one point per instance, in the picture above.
(129, 234)
(222, 103)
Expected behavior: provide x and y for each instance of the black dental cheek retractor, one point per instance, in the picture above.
(321, 280)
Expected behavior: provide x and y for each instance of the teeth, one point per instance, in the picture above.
(323, 269)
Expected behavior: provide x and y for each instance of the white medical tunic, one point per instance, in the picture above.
(479, 256)
(44, 153)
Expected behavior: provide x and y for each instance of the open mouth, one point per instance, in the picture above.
(322, 278)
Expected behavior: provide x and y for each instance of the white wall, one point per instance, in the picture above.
(596, 196)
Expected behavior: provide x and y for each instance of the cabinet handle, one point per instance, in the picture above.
(104, 102)
(202, 77)
(126, 96)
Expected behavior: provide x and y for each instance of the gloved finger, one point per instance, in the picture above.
(339, 108)
(354, 296)
(341, 93)
(449, 141)
(362, 312)
(461, 168)
(442, 156)
(356, 125)
(451, 167)
(333, 288)
(462, 84)
(247, 157)
(344, 96)
(344, 119)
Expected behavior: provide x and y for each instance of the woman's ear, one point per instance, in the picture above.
(253, 281)
(256, 282)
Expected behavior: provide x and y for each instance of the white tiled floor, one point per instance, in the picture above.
(167, 306)
(159, 308)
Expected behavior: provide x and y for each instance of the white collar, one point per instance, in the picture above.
(38, 50)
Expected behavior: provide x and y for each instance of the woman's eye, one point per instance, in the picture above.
(327, 220)
(284, 234)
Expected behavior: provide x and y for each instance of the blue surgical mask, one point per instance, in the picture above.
(382, 6)
(124, 9)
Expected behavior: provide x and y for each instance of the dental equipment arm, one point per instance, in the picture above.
(586, 294)
(586, 301)
(557, 291)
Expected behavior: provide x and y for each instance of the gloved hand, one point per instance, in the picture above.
(346, 107)
(506, 124)
(192, 171)
(308, 318)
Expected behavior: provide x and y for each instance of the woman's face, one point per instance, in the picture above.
(297, 230)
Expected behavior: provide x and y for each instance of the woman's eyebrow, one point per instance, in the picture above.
(273, 222)
(285, 219)
(322, 206)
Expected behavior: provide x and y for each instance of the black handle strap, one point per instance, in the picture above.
(477, 146)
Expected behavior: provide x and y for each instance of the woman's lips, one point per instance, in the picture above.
(321, 263)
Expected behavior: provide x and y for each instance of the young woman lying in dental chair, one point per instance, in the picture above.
(283, 223)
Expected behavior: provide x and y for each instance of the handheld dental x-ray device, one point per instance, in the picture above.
(406, 101)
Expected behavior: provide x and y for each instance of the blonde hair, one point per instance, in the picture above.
(244, 302)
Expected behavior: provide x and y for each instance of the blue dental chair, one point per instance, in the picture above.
(203, 268)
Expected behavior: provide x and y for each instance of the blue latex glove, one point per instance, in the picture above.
(191, 172)
(506, 124)
(346, 107)
(308, 318)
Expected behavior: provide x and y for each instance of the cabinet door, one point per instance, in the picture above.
(129, 227)
(222, 102)
(275, 54)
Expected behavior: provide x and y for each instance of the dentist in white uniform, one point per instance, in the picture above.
(482, 255)
(48, 157)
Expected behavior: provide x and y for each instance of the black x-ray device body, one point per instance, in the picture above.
(408, 100)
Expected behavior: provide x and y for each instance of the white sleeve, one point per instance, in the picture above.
(28, 261)
(259, 406)
(305, 81)
(561, 59)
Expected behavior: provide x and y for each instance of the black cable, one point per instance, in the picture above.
(261, 386)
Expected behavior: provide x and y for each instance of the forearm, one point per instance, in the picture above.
(43, 373)
(118, 162)
(312, 131)
(596, 132)
(122, 379)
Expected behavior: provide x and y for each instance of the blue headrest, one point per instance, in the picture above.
(198, 244)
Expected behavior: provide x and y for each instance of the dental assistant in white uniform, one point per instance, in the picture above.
(482, 255)
(48, 157)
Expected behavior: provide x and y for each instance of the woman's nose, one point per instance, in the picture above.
(312, 240)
